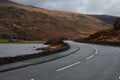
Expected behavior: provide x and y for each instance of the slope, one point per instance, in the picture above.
(28, 22)
(112, 35)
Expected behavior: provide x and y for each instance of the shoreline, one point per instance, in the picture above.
(7, 60)
(5, 41)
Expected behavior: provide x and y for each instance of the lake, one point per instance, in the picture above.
(19, 49)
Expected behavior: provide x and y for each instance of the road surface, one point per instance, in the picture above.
(91, 62)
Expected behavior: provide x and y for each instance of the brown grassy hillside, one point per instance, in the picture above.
(26, 22)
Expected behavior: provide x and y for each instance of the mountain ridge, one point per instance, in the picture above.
(109, 19)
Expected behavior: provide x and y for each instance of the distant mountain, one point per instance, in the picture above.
(108, 35)
(106, 18)
(6, 2)
(27, 22)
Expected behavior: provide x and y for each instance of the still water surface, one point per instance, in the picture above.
(19, 49)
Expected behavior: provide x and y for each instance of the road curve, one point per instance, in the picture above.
(91, 62)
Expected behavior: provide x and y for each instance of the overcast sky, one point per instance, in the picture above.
(111, 7)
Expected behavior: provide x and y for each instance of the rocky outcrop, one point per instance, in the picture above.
(112, 35)
(117, 24)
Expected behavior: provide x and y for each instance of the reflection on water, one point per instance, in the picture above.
(19, 49)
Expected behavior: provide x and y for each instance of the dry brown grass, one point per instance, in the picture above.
(28, 22)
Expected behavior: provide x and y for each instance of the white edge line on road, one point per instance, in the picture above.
(68, 66)
(90, 57)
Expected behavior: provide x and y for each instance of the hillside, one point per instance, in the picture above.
(27, 22)
(107, 35)
(106, 18)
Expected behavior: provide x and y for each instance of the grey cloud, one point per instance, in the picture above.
(111, 7)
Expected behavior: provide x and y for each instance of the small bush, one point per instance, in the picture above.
(54, 41)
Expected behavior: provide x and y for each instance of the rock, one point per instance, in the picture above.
(117, 24)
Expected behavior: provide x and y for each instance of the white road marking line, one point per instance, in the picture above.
(32, 79)
(90, 57)
(68, 66)
(96, 52)
(119, 77)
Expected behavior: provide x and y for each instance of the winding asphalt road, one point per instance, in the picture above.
(91, 62)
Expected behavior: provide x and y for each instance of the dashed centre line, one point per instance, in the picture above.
(96, 52)
(90, 57)
(119, 77)
(78, 61)
(68, 66)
